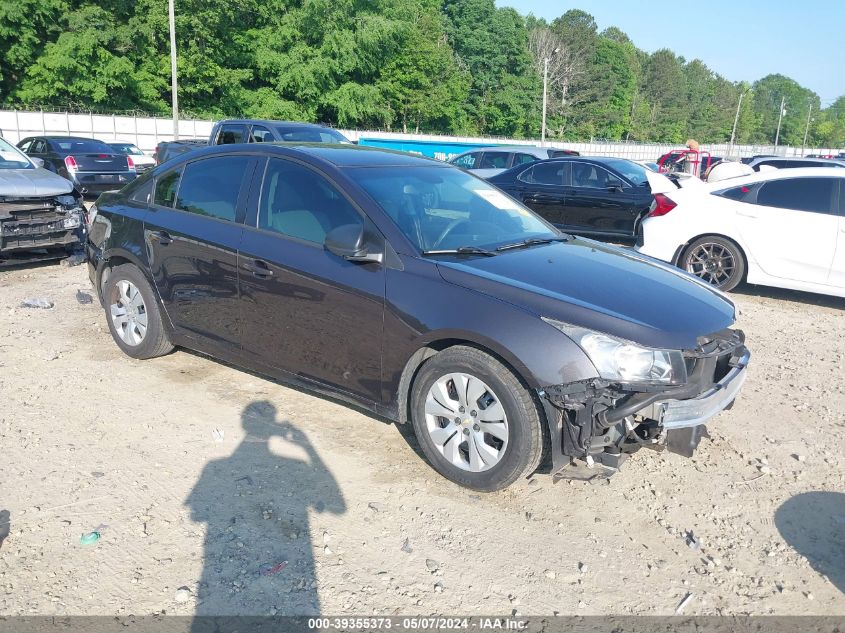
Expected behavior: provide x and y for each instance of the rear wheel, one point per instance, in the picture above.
(476, 423)
(133, 315)
(716, 260)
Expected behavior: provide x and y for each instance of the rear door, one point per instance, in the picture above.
(192, 234)
(307, 311)
(601, 203)
(790, 227)
(543, 189)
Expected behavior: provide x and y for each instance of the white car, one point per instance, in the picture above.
(142, 161)
(783, 228)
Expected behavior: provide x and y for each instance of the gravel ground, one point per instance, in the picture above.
(216, 491)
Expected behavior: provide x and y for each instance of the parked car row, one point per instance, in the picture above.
(499, 337)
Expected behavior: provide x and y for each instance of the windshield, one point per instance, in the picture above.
(126, 148)
(312, 135)
(631, 170)
(12, 158)
(441, 208)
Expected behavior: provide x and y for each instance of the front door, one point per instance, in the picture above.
(307, 311)
(192, 233)
(600, 202)
(790, 228)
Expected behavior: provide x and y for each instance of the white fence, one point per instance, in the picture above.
(146, 132)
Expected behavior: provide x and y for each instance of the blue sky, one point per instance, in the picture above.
(739, 39)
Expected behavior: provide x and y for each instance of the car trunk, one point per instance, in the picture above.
(100, 162)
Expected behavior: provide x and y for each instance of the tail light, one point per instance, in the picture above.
(70, 163)
(130, 164)
(663, 204)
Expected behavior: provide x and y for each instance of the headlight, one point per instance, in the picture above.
(72, 222)
(624, 361)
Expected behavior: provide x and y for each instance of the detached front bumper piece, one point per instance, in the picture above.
(598, 423)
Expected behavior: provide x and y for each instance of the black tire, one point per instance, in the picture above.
(714, 270)
(155, 341)
(525, 442)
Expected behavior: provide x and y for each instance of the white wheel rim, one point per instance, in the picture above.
(128, 313)
(466, 422)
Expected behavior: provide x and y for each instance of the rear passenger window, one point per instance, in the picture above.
(260, 134)
(802, 194)
(523, 159)
(545, 174)
(734, 193)
(211, 187)
(300, 203)
(166, 186)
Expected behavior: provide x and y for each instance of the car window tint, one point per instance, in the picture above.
(298, 202)
(734, 193)
(38, 147)
(494, 160)
(523, 159)
(260, 134)
(593, 177)
(467, 161)
(211, 186)
(142, 193)
(71, 146)
(24, 145)
(230, 134)
(166, 186)
(545, 174)
(802, 194)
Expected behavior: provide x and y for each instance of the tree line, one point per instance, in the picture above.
(439, 66)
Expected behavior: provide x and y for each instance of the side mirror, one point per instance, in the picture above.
(39, 162)
(348, 241)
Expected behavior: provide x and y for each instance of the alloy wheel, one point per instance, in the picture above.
(712, 262)
(466, 422)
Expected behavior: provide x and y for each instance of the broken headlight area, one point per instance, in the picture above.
(596, 424)
(53, 221)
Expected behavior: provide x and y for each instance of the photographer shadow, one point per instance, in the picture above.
(256, 503)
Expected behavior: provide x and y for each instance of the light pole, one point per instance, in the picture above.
(807, 128)
(736, 120)
(780, 118)
(172, 16)
(545, 95)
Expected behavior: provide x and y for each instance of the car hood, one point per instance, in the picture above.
(602, 288)
(25, 183)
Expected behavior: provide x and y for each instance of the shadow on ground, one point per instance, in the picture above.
(813, 524)
(258, 550)
(793, 296)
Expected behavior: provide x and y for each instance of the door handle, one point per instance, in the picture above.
(747, 214)
(163, 237)
(258, 268)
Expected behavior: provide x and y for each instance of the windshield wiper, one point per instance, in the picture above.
(531, 241)
(461, 250)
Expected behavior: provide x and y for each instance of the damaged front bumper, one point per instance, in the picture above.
(40, 222)
(594, 425)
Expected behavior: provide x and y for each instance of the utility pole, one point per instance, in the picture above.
(807, 129)
(736, 120)
(780, 118)
(173, 82)
(545, 95)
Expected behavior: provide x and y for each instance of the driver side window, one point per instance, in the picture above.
(300, 203)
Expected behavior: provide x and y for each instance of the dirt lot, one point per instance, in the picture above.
(204, 480)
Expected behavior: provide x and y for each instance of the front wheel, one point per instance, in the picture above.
(476, 423)
(716, 260)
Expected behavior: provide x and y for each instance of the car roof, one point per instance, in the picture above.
(272, 123)
(777, 174)
(799, 159)
(335, 154)
(528, 149)
(58, 137)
